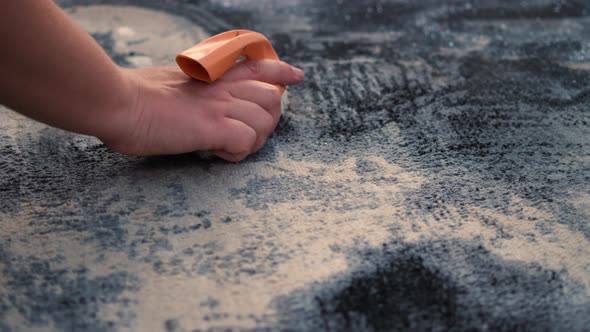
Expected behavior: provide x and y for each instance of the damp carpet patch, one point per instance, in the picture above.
(432, 173)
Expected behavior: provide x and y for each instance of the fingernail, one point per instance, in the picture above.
(298, 74)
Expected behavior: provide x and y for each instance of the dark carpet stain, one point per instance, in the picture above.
(437, 286)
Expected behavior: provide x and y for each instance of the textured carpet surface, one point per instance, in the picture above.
(432, 173)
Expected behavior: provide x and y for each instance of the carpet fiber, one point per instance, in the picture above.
(432, 173)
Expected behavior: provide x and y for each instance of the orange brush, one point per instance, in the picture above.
(211, 58)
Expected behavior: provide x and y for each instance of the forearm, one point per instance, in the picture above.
(54, 72)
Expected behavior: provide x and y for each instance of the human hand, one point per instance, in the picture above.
(170, 113)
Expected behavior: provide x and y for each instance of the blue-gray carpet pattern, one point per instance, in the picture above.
(431, 174)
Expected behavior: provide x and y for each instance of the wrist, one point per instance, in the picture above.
(117, 113)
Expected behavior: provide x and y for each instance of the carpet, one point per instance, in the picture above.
(432, 173)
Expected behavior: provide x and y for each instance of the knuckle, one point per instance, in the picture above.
(248, 142)
(275, 95)
(253, 66)
(214, 111)
(218, 85)
(218, 90)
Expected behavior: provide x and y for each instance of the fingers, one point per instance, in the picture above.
(269, 71)
(255, 117)
(255, 104)
(267, 96)
(233, 137)
(244, 130)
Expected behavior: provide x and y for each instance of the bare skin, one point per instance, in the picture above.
(54, 72)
